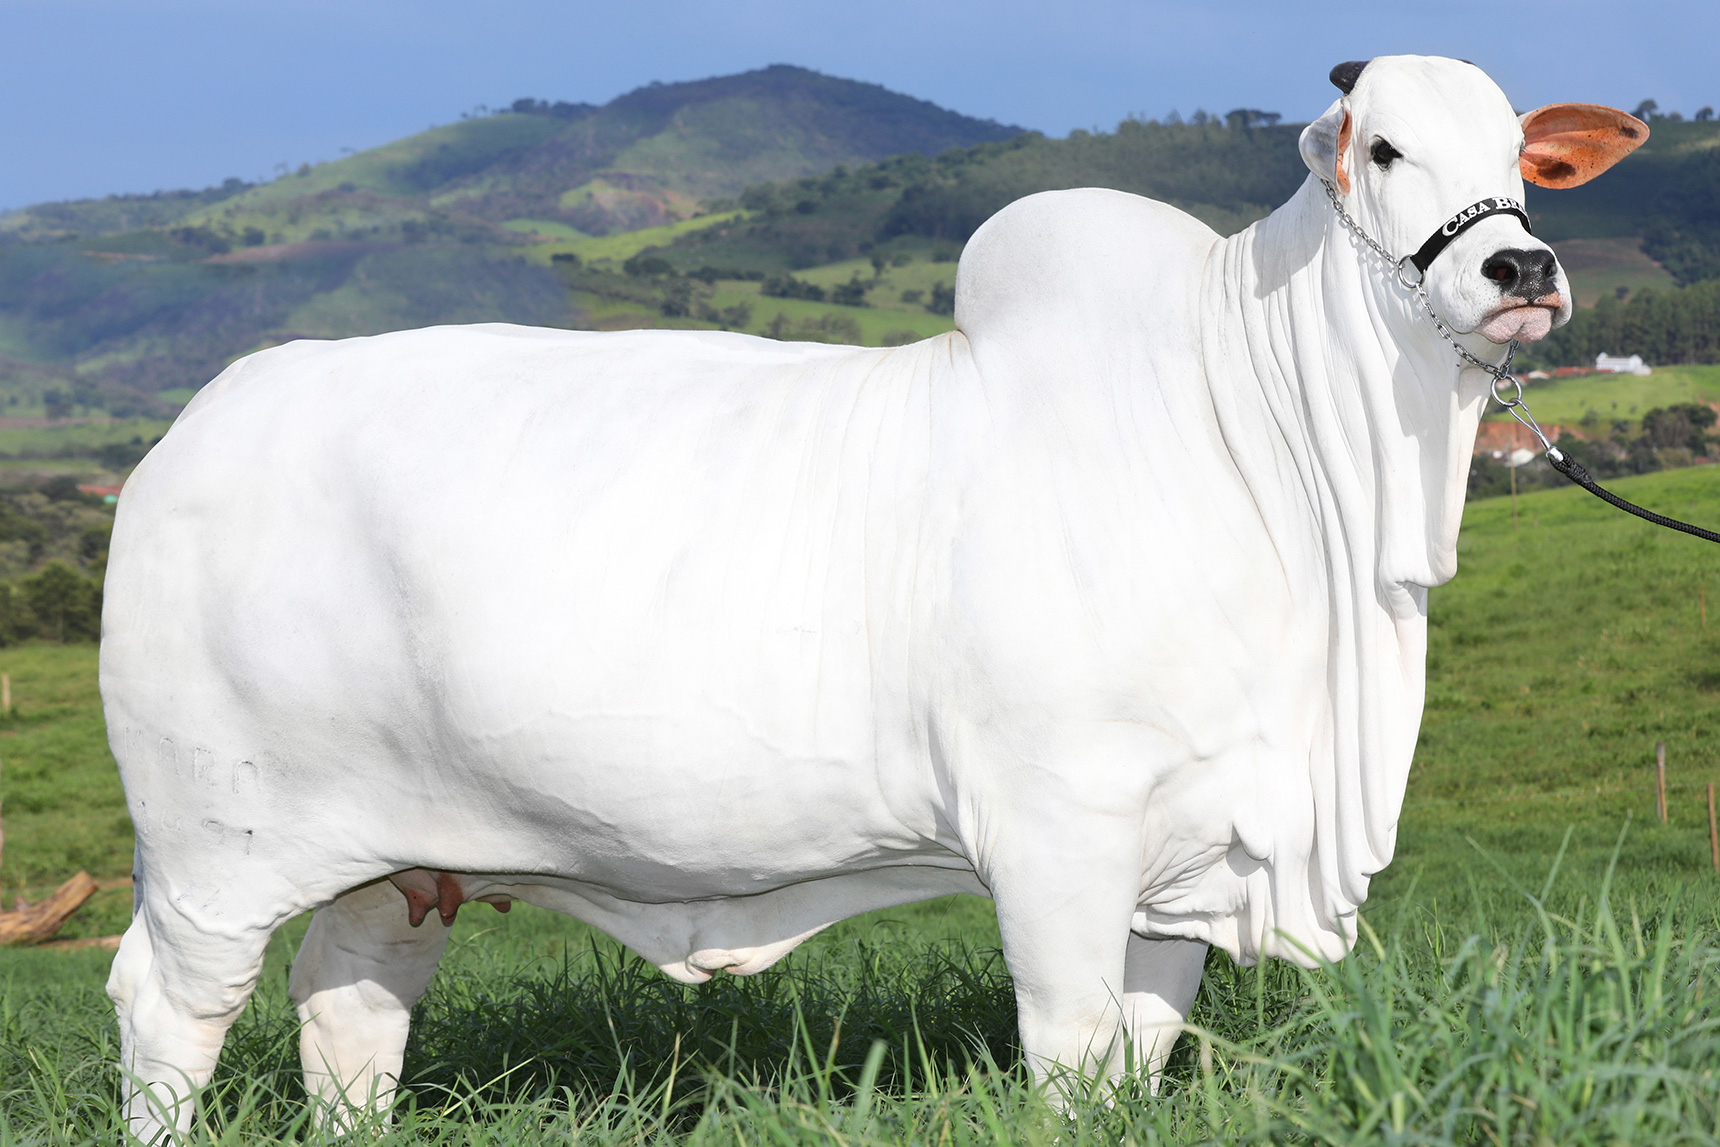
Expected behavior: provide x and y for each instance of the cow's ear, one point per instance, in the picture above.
(1323, 145)
(1568, 144)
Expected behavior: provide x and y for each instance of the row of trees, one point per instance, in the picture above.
(1650, 110)
(1667, 437)
(1680, 325)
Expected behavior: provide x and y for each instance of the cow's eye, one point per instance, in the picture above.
(1384, 153)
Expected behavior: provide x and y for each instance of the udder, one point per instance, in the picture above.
(425, 889)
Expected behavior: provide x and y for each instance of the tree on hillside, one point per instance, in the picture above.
(1245, 119)
(1680, 325)
(1681, 426)
(850, 294)
(64, 605)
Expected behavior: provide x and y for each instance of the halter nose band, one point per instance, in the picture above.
(1463, 221)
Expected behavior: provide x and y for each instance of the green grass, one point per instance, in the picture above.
(1594, 1028)
(64, 809)
(1540, 965)
(1558, 657)
(1568, 401)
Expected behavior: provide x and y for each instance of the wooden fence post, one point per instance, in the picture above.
(1660, 779)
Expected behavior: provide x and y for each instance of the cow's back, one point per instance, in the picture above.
(497, 599)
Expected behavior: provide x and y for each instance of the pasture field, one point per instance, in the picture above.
(1606, 397)
(1599, 267)
(893, 313)
(1539, 965)
(619, 247)
(78, 436)
(888, 323)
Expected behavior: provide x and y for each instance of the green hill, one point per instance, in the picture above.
(1228, 177)
(645, 158)
(680, 205)
(124, 297)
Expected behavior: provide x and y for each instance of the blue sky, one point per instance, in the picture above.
(102, 96)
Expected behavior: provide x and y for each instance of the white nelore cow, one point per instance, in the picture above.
(1109, 605)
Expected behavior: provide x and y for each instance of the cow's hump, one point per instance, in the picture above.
(1086, 263)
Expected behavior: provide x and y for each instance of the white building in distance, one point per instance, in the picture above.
(1617, 365)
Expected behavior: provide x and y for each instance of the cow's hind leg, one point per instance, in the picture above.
(361, 968)
(177, 985)
(1160, 980)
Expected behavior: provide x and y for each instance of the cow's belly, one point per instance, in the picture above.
(692, 939)
(636, 639)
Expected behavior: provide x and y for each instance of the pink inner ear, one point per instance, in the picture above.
(1569, 144)
(1343, 145)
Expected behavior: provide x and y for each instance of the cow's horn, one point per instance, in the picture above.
(1344, 76)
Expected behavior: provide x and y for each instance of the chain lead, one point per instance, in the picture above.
(1500, 372)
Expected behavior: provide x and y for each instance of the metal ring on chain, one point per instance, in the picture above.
(1500, 399)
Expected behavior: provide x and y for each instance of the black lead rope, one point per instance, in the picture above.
(1573, 470)
(1569, 466)
(1501, 372)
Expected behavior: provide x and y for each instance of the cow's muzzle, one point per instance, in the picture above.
(1530, 275)
(1528, 282)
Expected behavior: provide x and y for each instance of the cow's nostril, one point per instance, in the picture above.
(1500, 269)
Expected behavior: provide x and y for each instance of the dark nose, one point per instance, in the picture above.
(1525, 274)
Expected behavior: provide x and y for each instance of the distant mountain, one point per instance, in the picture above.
(711, 138)
(130, 295)
(646, 158)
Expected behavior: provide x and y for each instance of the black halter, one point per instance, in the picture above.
(1463, 221)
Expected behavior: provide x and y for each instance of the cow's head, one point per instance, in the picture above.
(1416, 139)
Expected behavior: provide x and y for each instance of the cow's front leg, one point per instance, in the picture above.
(1064, 903)
(1160, 980)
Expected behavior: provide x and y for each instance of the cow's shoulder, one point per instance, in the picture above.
(1080, 260)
